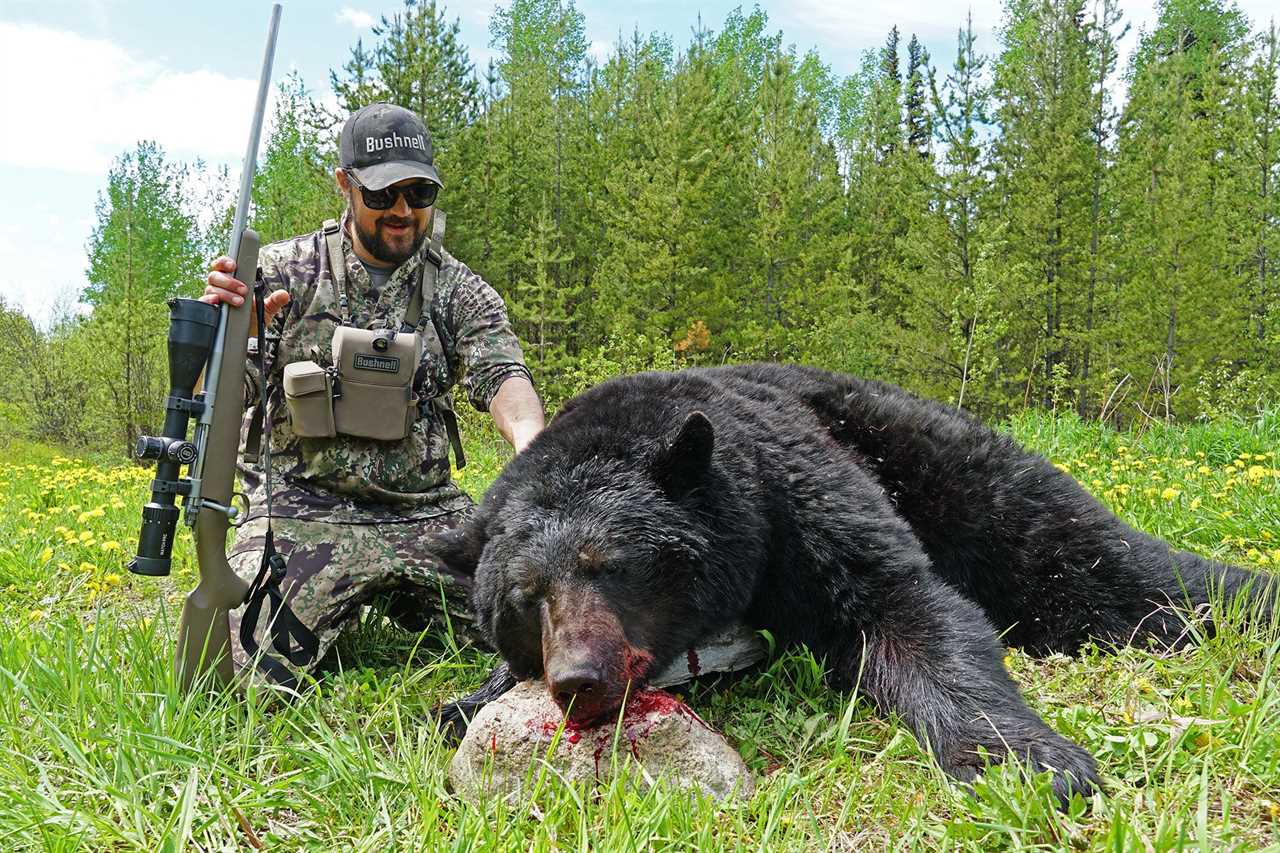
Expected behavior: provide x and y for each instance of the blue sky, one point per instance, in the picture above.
(86, 80)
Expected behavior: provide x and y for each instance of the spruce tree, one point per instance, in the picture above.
(294, 189)
(1183, 277)
(1044, 159)
(419, 63)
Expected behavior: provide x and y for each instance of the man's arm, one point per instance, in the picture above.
(486, 356)
(517, 411)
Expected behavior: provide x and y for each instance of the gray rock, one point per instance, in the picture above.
(514, 740)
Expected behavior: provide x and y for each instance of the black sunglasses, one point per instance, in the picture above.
(419, 194)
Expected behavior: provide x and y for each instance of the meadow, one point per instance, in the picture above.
(100, 750)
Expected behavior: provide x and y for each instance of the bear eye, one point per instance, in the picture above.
(592, 560)
(524, 599)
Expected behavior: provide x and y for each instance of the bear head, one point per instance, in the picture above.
(594, 555)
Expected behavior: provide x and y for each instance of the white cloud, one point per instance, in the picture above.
(357, 18)
(842, 24)
(87, 100)
(82, 102)
(600, 50)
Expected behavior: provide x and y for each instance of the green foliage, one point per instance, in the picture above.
(1001, 232)
(103, 750)
(145, 249)
(419, 63)
(294, 189)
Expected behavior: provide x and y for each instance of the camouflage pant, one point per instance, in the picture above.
(332, 570)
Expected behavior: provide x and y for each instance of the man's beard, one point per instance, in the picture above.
(380, 249)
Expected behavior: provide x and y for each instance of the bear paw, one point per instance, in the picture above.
(1074, 770)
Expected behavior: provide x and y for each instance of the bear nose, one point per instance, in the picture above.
(579, 682)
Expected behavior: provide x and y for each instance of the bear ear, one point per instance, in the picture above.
(682, 464)
(460, 547)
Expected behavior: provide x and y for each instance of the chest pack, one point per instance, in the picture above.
(368, 390)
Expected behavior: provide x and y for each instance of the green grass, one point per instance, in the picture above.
(99, 750)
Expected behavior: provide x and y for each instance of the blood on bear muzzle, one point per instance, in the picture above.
(587, 661)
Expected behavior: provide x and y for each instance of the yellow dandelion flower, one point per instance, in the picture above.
(1205, 470)
(1267, 536)
(1170, 493)
(112, 579)
(1063, 468)
(110, 545)
(1195, 503)
(36, 615)
(1259, 457)
(1256, 473)
(46, 555)
(88, 567)
(86, 535)
(1253, 553)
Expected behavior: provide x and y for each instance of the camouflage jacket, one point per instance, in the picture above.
(357, 480)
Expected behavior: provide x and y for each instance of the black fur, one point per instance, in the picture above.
(893, 536)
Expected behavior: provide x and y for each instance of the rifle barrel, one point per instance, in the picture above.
(255, 131)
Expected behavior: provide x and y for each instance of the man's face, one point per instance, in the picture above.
(390, 236)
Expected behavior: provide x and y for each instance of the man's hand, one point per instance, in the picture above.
(222, 286)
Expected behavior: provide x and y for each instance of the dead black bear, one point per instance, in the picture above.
(895, 537)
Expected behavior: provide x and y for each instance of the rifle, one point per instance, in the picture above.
(213, 340)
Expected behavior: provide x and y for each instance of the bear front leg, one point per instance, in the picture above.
(918, 648)
(454, 717)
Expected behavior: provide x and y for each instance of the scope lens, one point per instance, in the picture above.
(149, 447)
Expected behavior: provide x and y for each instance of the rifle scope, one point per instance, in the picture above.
(192, 326)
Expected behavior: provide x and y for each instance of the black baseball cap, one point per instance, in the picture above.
(382, 144)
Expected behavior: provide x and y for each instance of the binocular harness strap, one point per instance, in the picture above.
(286, 629)
(337, 265)
(418, 315)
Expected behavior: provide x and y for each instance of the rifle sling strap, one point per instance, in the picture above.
(285, 627)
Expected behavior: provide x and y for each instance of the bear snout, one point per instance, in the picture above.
(586, 660)
(576, 684)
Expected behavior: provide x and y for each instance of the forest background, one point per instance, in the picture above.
(1053, 226)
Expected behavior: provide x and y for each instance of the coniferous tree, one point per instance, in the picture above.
(951, 321)
(294, 190)
(420, 63)
(1044, 159)
(1103, 33)
(1261, 162)
(1182, 277)
(918, 131)
(144, 249)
